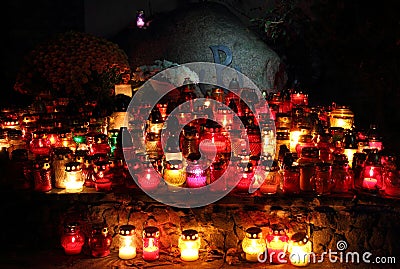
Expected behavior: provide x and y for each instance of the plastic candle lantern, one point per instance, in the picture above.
(190, 140)
(392, 183)
(148, 179)
(291, 179)
(299, 249)
(174, 174)
(216, 140)
(39, 144)
(127, 246)
(153, 145)
(268, 141)
(374, 139)
(189, 245)
(196, 175)
(246, 173)
(322, 179)
(100, 145)
(271, 177)
(277, 242)
(253, 244)
(307, 161)
(72, 239)
(342, 117)
(73, 177)
(342, 177)
(42, 176)
(151, 249)
(254, 136)
(299, 99)
(217, 169)
(100, 240)
(61, 155)
(102, 180)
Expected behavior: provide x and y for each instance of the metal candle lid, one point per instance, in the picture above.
(73, 167)
(300, 238)
(254, 233)
(126, 230)
(190, 235)
(151, 232)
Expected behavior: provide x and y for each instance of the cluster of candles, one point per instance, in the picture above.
(277, 247)
(298, 148)
(100, 241)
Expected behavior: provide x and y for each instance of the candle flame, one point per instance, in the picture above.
(371, 172)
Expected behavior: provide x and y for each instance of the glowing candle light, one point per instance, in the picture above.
(189, 245)
(72, 239)
(127, 247)
(277, 241)
(253, 244)
(73, 177)
(151, 248)
(299, 249)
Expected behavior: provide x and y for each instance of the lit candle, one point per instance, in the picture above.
(189, 245)
(151, 249)
(253, 244)
(277, 243)
(370, 180)
(127, 247)
(299, 249)
(72, 240)
(73, 177)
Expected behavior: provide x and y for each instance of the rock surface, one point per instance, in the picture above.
(186, 35)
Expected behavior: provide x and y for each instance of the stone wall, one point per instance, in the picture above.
(364, 223)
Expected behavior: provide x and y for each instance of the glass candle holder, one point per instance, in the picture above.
(100, 240)
(174, 174)
(190, 141)
(246, 172)
(392, 183)
(73, 177)
(127, 246)
(39, 144)
(112, 139)
(282, 139)
(217, 169)
(148, 179)
(372, 178)
(42, 180)
(60, 156)
(254, 136)
(253, 244)
(299, 99)
(102, 179)
(291, 179)
(153, 145)
(304, 141)
(277, 243)
(342, 177)
(322, 179)
(299, 249)
(189, 245)
(283, 120)
(100, 145)
(342, 117)
(196, 175)
(151, 241)
(307, 161)
(72, 239)
(271, 178)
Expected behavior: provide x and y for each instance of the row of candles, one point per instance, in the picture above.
(275, 248)
(304, 149)
(100, 242)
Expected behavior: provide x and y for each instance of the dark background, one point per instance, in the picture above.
(339, 51)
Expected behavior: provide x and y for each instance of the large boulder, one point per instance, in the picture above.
(185, 35)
